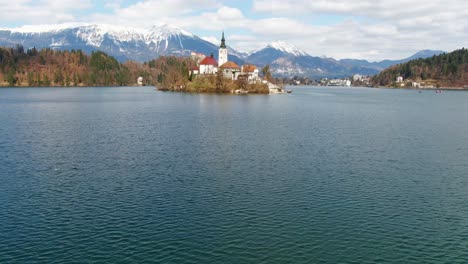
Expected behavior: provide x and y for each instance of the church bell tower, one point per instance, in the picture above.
(223, 52)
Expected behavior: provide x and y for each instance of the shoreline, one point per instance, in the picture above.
(214, 93)
(386, 87)
(423, 89)
(79, 86)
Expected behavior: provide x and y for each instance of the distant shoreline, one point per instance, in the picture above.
(83, 86)
(388, 87)
(423, 89)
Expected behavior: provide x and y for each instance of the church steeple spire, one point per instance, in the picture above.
(223, 52)
(223, 42)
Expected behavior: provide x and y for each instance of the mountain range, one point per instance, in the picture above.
(125, 43)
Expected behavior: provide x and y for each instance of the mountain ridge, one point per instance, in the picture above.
(143, 44)
(383, 64)
(124, 43)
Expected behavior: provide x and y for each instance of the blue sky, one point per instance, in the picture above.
(368, 29)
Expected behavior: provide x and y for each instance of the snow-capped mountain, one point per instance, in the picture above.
(287, 60)
(127, 43)
(381, 65)
(273, 51)
(124, 43)
(287, 48)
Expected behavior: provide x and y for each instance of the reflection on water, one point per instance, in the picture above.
(329, 175)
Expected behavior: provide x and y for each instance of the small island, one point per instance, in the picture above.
(206, 75)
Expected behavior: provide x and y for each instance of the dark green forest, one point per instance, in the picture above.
(47, 67)
(445, 70)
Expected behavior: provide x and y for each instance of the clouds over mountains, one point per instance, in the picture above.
(371, 29)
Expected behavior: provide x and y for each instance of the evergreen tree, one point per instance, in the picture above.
(38, 79)
(11, 78)
(67, 79)
(31, 79)
(46, 81)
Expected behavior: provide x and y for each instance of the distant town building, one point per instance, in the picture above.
(357, 77)
(140, 80)
(339, 82)
(323, 81)
(399, 79)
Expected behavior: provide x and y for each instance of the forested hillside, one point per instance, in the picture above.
(46, 67)
(20, 67)
(445, 70)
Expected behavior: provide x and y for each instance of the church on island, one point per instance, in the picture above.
(207, 65)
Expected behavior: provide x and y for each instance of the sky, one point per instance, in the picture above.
(363, 29)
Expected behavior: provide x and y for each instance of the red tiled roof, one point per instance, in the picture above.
(209, 61)
(249, 68)
(230, 65)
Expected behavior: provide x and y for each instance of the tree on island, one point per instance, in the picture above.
(242, 82)
(219, 81)
(266, 72)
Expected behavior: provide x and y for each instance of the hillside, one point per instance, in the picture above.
(46, 67)
(143, 44)
(445, 70)
(20, 67)
(382, 65)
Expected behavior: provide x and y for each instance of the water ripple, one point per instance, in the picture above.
(173, 178)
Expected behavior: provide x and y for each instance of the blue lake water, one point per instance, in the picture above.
(322, 175)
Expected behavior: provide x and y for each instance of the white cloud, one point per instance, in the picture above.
(44, 11)
(211, 39)
(389, 28)
(368, 8)
(156, 12)
(229, 13)
(371, 29)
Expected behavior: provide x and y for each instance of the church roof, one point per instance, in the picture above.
(209, 61)
(249, 68)
(230, 65)
(223, 42)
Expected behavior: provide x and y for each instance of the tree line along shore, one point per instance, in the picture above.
(55, 68)
(447, 70)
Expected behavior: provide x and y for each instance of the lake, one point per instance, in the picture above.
(322, 175)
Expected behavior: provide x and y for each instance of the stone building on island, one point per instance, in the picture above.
(230, 70)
